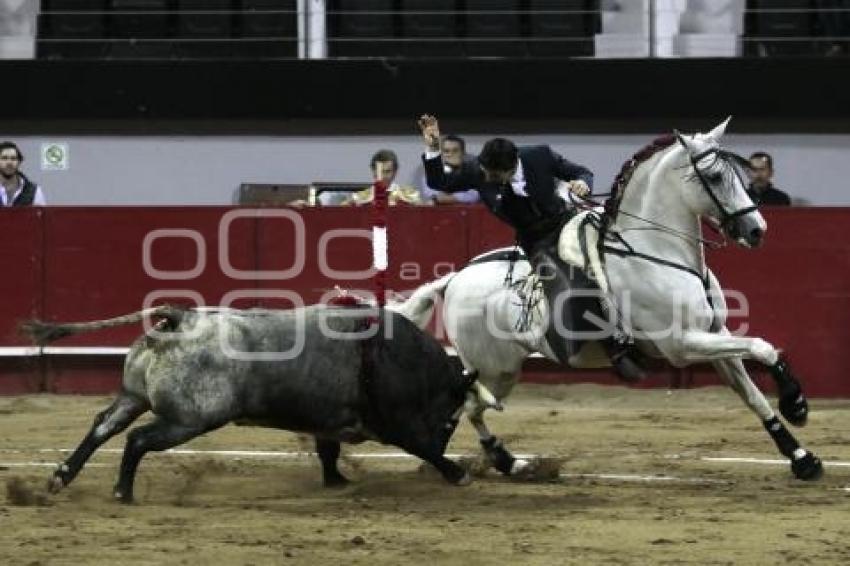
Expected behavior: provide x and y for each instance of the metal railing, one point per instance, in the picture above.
(317, 29)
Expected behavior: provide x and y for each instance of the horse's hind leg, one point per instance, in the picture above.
(328, 451)
(494, 448)
(804, 464)
(155, 436)
(124, 410)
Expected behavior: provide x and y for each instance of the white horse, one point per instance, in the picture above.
(652, 267)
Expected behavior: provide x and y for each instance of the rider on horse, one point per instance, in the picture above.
(523, 187)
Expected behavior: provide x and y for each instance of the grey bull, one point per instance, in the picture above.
(340, 374)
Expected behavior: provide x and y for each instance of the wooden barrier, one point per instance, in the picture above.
(65, 263)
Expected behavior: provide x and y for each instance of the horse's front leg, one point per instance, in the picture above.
(700, 346)
(804, 464)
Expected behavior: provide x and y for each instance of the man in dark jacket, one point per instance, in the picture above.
(761, 189)
(15, 188)
(523, 187)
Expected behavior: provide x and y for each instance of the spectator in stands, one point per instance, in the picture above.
(384, 165)
(761, 188)
(453, 151)
(15, 188)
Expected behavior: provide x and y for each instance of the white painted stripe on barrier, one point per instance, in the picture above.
(43, 465)
(85, 351)
(15, 351)
(27, 351)
(23, 351)
(248, 453)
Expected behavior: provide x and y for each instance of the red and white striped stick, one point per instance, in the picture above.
(380, 255)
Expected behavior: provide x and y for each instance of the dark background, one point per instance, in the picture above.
(385, 95)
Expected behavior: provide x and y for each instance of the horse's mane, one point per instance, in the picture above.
(627, 170)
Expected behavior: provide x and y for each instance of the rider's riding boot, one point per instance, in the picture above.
(624, 355)
(555, 282)
(624, 358)
(555, 276)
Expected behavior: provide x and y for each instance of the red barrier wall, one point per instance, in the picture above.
(89, 263)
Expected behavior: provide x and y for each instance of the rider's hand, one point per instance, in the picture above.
(579, 187)
(430, 131)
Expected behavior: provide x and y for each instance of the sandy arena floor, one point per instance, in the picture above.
(635, 488)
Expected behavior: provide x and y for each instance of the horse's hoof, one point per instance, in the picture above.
(807, 468)
(794, 408)
(540, 469)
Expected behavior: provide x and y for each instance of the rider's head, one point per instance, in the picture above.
(498, 160)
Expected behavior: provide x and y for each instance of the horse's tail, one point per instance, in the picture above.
(42, 332)
(419, 308)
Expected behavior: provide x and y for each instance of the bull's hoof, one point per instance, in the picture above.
(453, 472)
(794, 407)
(59, 479)
(55, 484)
(522, 468)
(125, 497)
(807, 468)
(336, 482)
(464, 480)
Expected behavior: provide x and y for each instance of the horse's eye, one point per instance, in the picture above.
(714, 177)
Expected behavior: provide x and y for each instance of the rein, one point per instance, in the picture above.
(612, 209)
(590, 204)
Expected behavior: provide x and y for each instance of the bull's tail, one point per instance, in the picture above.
(419, 308)
(42, 332)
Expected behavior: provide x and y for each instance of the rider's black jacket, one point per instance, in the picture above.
(536, 217)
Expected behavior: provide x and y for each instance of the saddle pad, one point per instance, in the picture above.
(570, 248)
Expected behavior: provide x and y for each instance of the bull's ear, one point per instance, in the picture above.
(719, 130)
(686, 143)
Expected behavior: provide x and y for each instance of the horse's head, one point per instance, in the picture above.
(721, 193)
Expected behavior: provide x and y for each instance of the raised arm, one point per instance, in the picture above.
(467, 177)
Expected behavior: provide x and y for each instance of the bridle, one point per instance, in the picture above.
(608, 218)
(725, 216)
